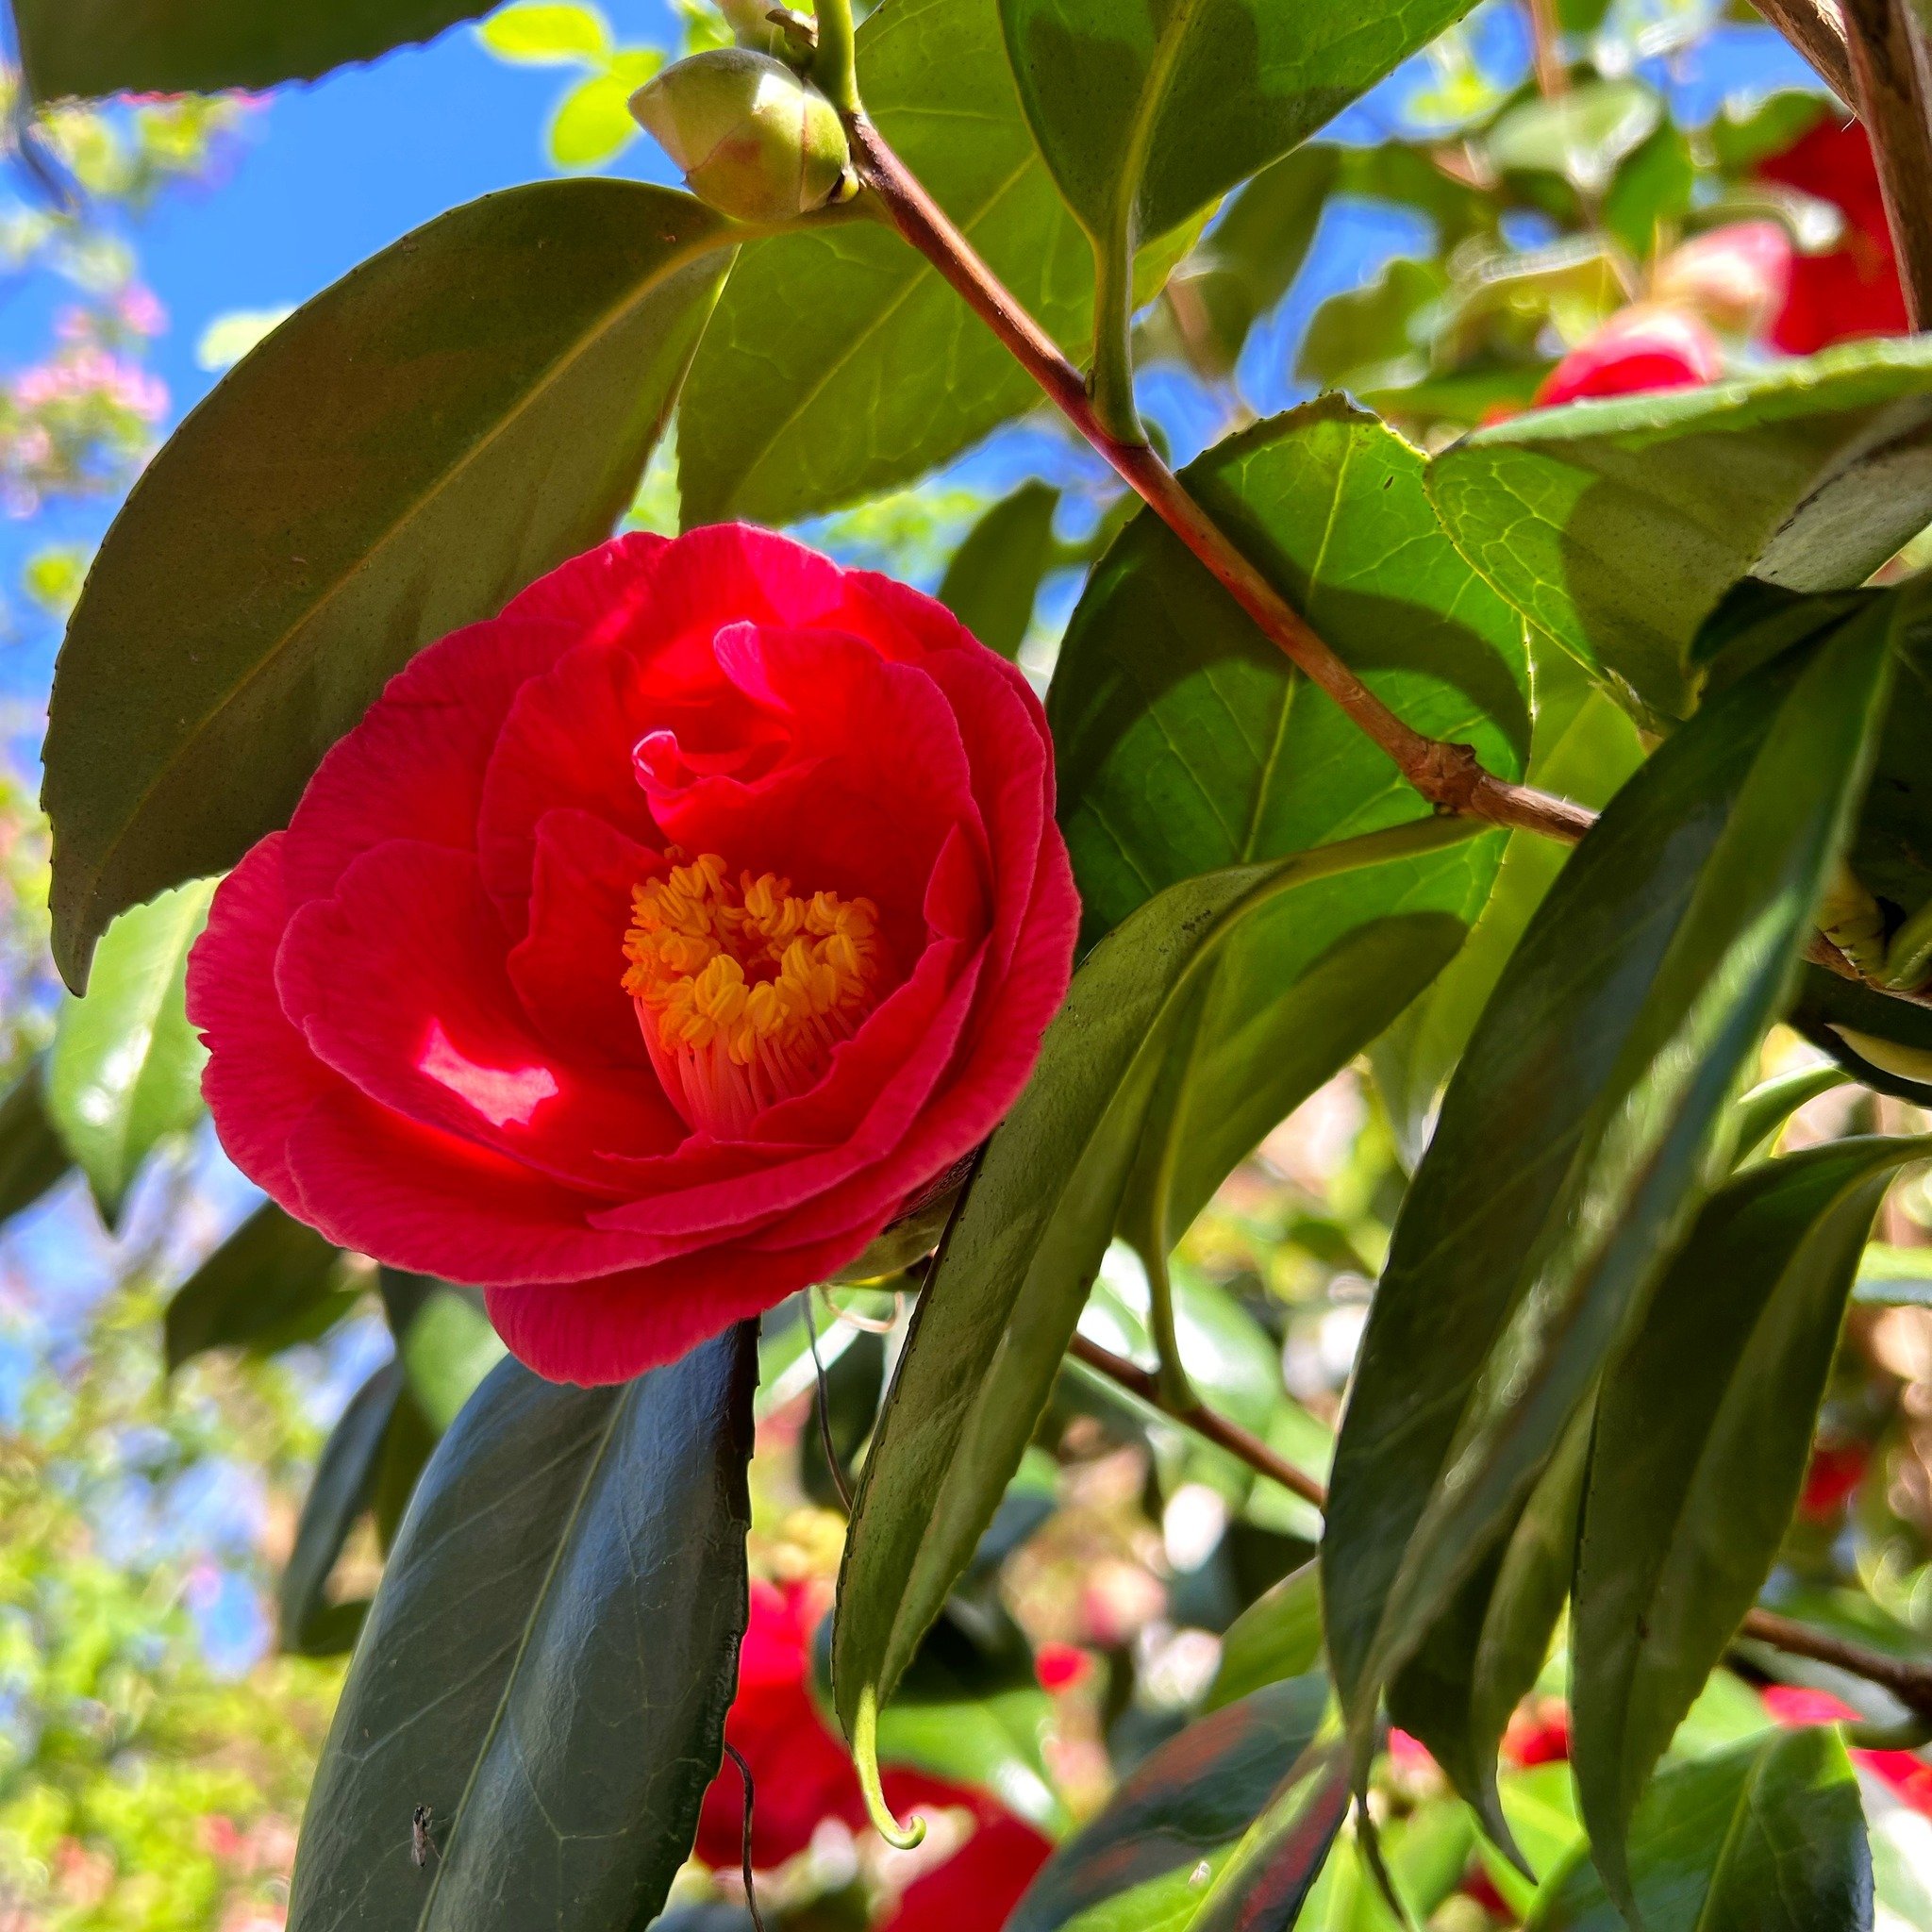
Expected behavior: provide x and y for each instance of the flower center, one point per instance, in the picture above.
(742, 989)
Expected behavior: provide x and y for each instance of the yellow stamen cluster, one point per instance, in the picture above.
(742, 989)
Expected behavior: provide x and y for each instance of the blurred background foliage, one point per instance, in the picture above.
(196, 1482)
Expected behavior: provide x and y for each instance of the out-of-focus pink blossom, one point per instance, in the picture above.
(1643, 347)
(1736, 276)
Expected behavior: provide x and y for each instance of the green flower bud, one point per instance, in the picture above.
(751, 138)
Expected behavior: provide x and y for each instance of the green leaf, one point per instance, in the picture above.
(1618, 525)
(593, 123)
(1187, 741)
(32, 1154)
(99, 47)
(448, 1348)
(1004, 1292)
(994, 578)
(1615, 1036)
(1249, 257)
(1581, 134)
(1484, 1654)
(124, 1070)
(271, 1283)
(1763, 1113)
(815, 384)
(449, 421)
(1148, 114)
(1376, 335)
(1883, 1041)
(1194, 1798)
(1278, 1635)
(1702, 1433)
(342, 1489)
(1766, 1838)
(1583, 746)
(1652, 192)
(546, 32)
(1891, 855)
(547, 1662)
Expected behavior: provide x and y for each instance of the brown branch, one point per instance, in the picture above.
(1449, 775)
(1205, 1421)
(1551, 76)
(1889, 85)
(1814, 29)
(1910, 1683)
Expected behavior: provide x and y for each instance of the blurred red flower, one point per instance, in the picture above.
(1904, 1772)
(1643, 347)
(801, 1775)
(1852, 290)
(646, 949)
(1832, 1478)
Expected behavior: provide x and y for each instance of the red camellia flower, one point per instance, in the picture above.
(1643, 347)
(645, 950)
(1853, 289)
(801, 1775)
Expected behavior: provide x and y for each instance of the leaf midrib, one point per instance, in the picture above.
(1168, 48)
(606, 322)
(618, 1410)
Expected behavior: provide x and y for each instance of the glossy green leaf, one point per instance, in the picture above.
(1483, 1655)
(1187, 741)
(1278, 1636)
(1250, 256)
(1768, 1836)
(1581, 134)
(1583, 746)
(547, 1662)
(1883, 1041)
(1194, 1798)
(124, 1070)
(343, 1488)
(449, 421)
(1618, 525)
(815, 383)
(1615, 1036)
(32, 1154)
(97, 47)
(1270, 1874)
(1704, 1431)
(1764, 1112)
(271, 1283)
(1004, 1292)
(1146, 114)
(994, 578)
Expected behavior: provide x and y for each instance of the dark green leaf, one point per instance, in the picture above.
(95, 47)
(1763, 1113)
(1375, 336)
(1766, 1838)
(1148, 114)
(1186, 742)
(1572, 1136)
(1883, 1041)
(994, 576)
(124, 1070)
(1005, 1291)
(271, 1283)
(851, 1388)
(1191, 1799)
(1618, 525)
(1278, 1635)
(816, 383)
(1484, 1654)
(1891, 855)
(1582, 746)
(32, 1156)
(1703, 1434)
(548, 1660)
(343, 1486)
(1249, 257)
(1268, 1879)
(449, 421)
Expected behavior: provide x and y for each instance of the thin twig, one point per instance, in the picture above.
(1814, 27)
(1889, 85)
(1450, 776)
(823, 1404)
(1910, 1683)
(1552, 78)
(751, 1890)
(1203, 1421)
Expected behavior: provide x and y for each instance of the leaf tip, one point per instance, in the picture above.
(865, 1759)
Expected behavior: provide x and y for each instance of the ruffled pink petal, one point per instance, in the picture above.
(608, 1330)
(568, 970)
(399, 983)
(415, 762)
(260, 1078)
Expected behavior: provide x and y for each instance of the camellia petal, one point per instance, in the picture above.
(645, 950)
